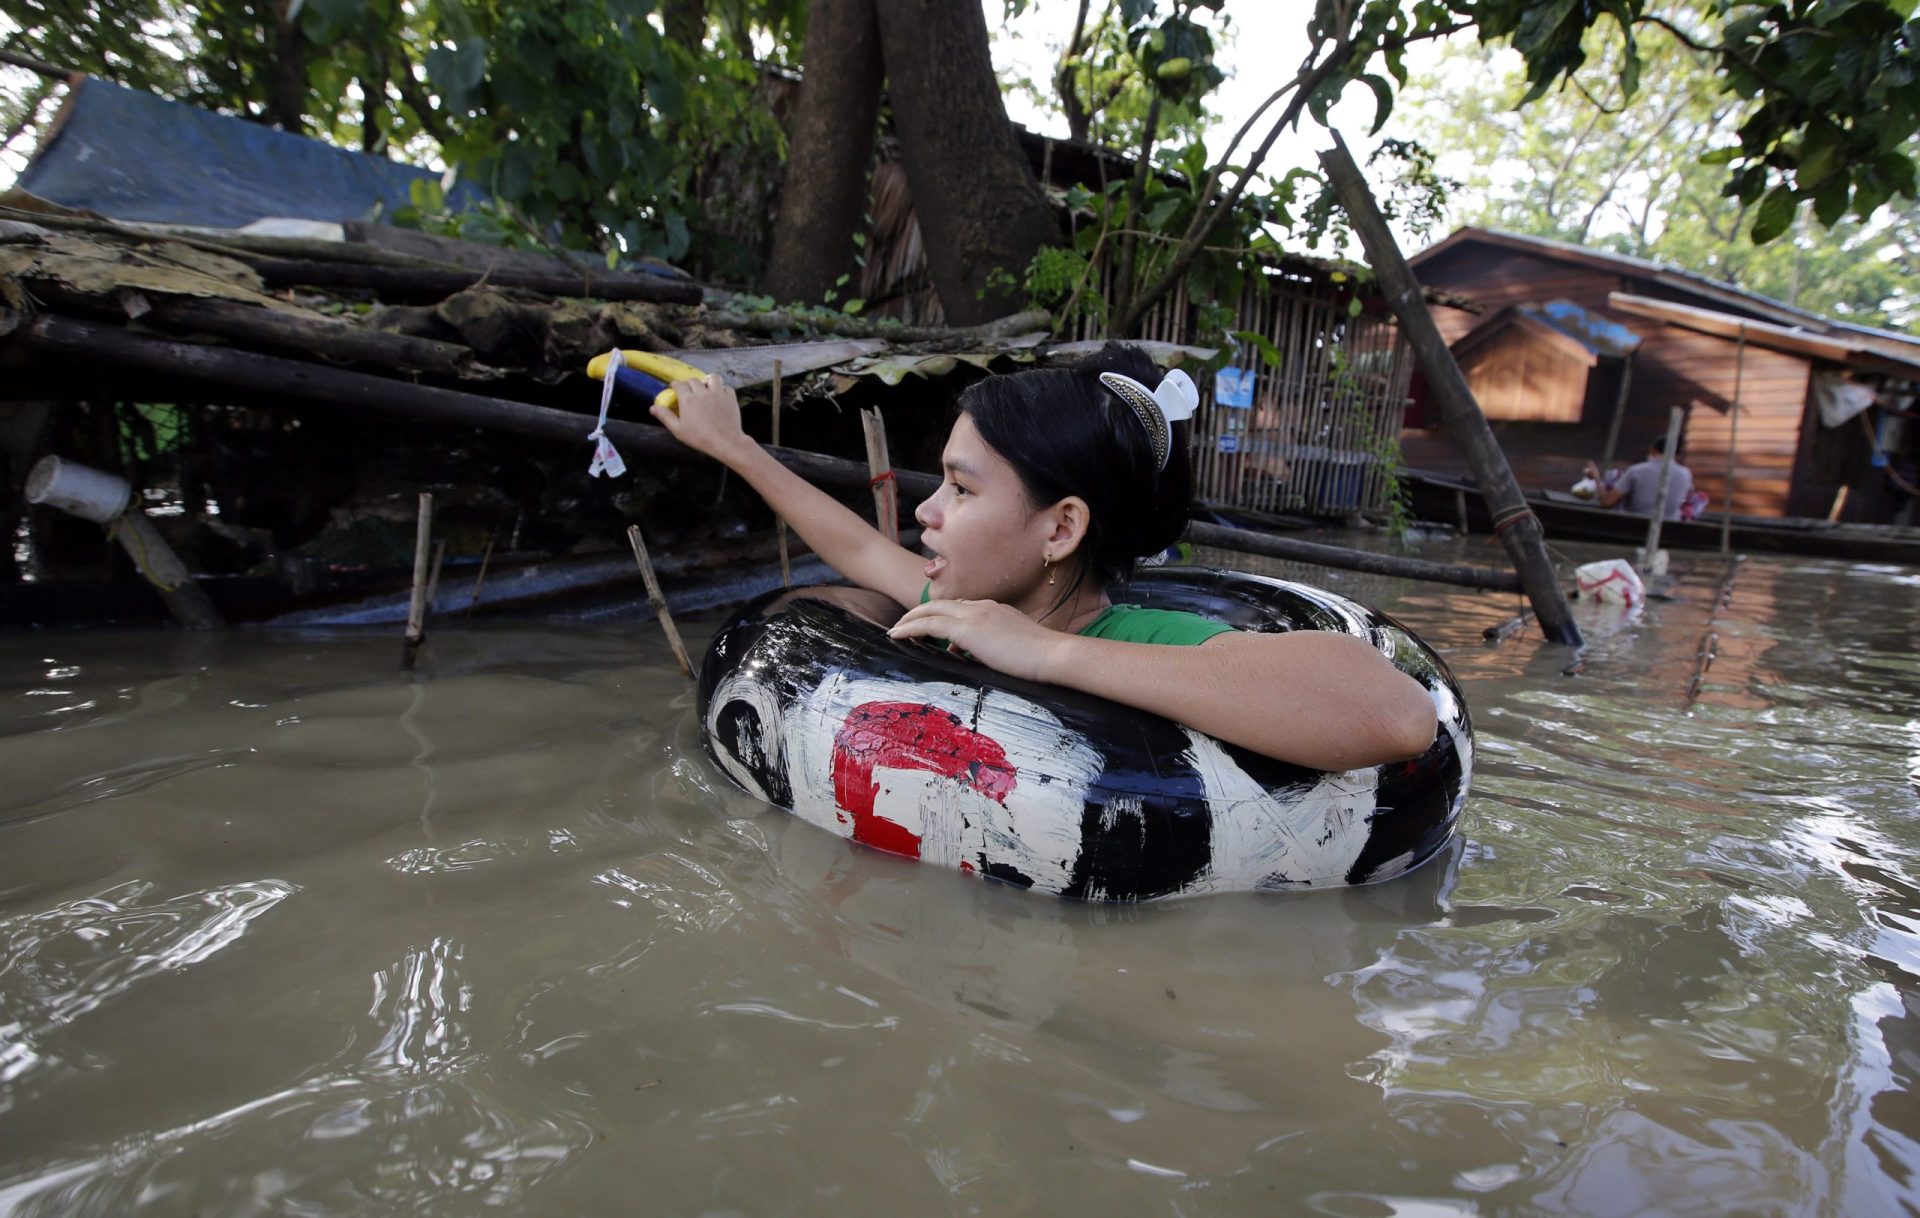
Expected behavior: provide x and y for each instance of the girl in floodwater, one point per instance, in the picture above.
(1055, 483)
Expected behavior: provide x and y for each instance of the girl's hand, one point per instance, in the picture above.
(708, 420)
(999, 636)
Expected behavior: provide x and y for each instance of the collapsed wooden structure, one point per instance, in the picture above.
(268, 394)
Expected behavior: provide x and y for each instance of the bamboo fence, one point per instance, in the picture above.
(1322, 433)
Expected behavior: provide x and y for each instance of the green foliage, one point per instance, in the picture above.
(490, 223)
(1630, 177)
(582, 118)
(1132, 59)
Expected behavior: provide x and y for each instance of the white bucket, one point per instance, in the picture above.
(86, 492)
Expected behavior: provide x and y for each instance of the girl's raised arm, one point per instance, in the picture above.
(708, 422)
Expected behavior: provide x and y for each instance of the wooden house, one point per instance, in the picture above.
(1577, 354)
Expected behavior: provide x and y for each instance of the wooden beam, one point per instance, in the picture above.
(1852, 353)
(433, 284)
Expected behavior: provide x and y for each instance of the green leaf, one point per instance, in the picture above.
(1354, 307)
(1830, 203)
(1775, 214)
(853, 306)
(1262, 344)
(1720, 156)
(1821, 152)
(1382, 101)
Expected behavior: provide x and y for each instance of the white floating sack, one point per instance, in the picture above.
(1611, 582)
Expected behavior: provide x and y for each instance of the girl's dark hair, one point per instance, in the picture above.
(1065, 433)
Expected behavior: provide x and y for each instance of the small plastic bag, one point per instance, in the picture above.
(1585, 488)
(1613, 581)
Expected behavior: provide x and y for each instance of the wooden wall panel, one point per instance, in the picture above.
(1515, 375)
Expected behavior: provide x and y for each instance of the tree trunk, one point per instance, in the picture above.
(830, 151)
(287, 80)
(980, 208)
(685, 22)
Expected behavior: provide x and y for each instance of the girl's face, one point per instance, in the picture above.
(987, 539)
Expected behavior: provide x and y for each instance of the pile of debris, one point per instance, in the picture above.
(263, 388)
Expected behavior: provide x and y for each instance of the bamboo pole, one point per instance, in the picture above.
(486, 556)
(658, 599)
(886, 493)
(433, 580)
(1652, 550)
(1619, 413)
(786, 564)
(1514, 522)
(422, 560)
(1733, 441)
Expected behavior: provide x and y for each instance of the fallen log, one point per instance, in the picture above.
(230, 243)
(325, 337)
(294, 379)
(1515, 524)
(1321, 555)
(421, 283)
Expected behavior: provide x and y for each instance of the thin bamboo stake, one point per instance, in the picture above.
(422, 562)
(658, 599)
(1733, 441)
(1652, 551)
(433, 580)
(486, 555)
(886, 495)
(786, 564)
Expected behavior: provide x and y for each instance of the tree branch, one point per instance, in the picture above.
(27, 115)
(1723, 51)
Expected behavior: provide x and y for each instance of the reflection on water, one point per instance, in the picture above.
(282, 930)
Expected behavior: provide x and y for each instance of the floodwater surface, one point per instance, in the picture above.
(284, 930)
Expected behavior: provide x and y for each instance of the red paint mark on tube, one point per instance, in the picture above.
(909, 736)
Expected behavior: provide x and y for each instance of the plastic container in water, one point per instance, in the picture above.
(86, 492)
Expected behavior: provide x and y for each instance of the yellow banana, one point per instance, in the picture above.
(660, 367)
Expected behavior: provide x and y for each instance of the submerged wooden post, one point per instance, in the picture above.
(658, 599)
(1652, 549)
(422, 563)
(1513, 521)
(107, 499)
(786, 565)
(1619, 412)
(1733, 441)
(486, 556)
(886, 493)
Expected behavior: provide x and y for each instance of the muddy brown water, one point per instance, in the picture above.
(285, 931)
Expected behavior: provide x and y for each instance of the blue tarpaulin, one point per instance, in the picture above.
(133, 156)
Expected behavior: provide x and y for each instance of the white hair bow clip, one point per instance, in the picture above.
(1176, 399)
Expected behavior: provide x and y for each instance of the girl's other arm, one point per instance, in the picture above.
(1315, 698)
